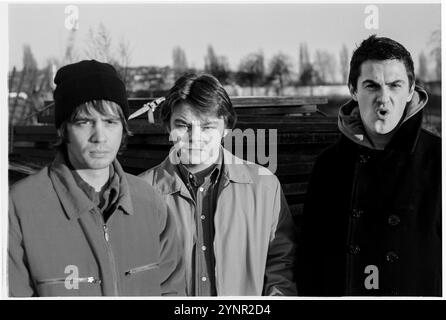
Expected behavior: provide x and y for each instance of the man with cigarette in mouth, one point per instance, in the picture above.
(81, 226)
(372, 217)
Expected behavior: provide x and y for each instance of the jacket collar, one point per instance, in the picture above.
(168, 179)
(73, 198)
(406, 136)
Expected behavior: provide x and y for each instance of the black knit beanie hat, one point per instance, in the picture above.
(85, 81)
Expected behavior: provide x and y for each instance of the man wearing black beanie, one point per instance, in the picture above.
(81, 226)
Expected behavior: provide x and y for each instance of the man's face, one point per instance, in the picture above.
(93, 140)
(197, 138)
(382, 93)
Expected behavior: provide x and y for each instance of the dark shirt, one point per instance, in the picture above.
(203, 187)
(106, 198)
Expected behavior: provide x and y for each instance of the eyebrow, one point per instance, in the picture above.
(88, 117)
(202, 123)
(396, 81)
(180, 120)
(368, 81)
(210, 122)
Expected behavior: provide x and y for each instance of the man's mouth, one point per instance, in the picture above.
(194, 149)
(382, 113)
(98, 153)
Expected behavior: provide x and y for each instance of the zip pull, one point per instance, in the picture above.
(105, 232)
(93, 280)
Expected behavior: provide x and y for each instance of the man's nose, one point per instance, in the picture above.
(383, 96)
(98, 134)
(195, 134)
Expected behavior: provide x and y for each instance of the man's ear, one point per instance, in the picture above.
(225, 132)
(59, 133)
(167, 127)
(411, 92)
(352, 92)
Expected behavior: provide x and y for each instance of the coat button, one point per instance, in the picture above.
(357, 213)
(391, 256)
(354, 249)
(363, 158)
(394, 220)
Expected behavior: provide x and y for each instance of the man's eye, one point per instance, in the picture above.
(395, 85)
(208, 127)
(83, 122)
(112, 121)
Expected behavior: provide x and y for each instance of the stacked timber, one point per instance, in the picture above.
(301, 132)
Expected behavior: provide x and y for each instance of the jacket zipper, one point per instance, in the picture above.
(62, 280)
(110, 256)
(142, 268)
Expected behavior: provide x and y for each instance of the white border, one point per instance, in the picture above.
(4, 63)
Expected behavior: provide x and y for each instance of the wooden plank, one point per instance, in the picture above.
(35, 152)
(264, 111)
(308, 138)
(296, 209)
(295, 199)
(294, 188)
(291, 127)
(238, 101)
(323, 139)
(137, 163)
(294, 104)
(143, 128)
(294, 169)
(251, 101)
(285, 119)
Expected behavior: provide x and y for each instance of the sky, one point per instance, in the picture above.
(234, 30)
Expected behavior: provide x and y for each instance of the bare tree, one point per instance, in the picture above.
(304, 57)
(344, 62)
(325, 64)
(29, 62)
(100, 47)
(280, 70)
(99, 44)
(309, 76)
(124, 59)
(30, 69)
(216, 65)
(71, 54)
(422, 67)
(179, 61)
(251, 70)
(435, 43)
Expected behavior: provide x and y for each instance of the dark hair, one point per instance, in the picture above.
(379, 48)
(203, 93)
(103, 107)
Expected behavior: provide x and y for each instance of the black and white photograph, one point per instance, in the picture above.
(199, 150)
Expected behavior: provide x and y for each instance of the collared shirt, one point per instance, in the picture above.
(203, 187)
(254, 242)
(106, 198)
